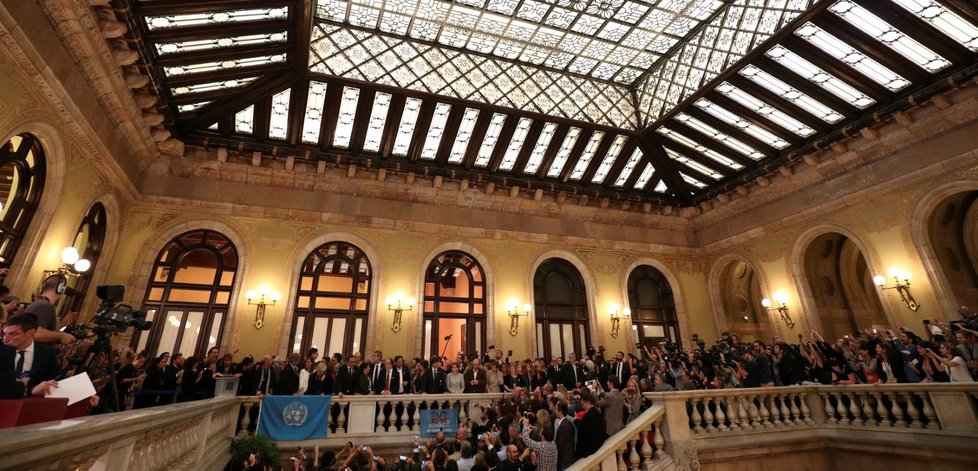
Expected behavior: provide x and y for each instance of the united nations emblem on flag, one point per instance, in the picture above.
(295, 414)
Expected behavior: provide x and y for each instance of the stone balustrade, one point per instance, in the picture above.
(638, 446)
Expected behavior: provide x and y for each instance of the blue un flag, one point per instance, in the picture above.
(292, 418)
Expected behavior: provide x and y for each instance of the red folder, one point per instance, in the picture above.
(31, 410)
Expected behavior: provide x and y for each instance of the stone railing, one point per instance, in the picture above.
(638, 446)
(192, 436)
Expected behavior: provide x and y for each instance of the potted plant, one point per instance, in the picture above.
(265, 450)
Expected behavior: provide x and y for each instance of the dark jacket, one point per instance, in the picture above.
(381, 383)
(480, 378)
(590, 433)
(434, 383)
(288, 383)
(45, 367)
(564, 439)
(347, 379)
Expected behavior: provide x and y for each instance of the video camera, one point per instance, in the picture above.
(968, 321)
(111, 316)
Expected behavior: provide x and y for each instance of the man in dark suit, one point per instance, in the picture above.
(434, 378)
(389, 379)
(619, 369)
(555, 372)
(288, 382)
(475, 378)
(573, 373)
(590, 429)
(26, 367)
(564, 437)
(347, 377)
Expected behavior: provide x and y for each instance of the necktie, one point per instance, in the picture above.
(388, 387)
(20, 362)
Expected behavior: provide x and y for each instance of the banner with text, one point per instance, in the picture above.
(290, 418)
(438, 420)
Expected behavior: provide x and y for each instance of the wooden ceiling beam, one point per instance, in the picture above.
(637, 171)
(523, 156)
(838, 69)
(871, 47)
(560, 134)
(261, 118)
(753, 117)
(920, 30)
(452, 125)
(331, 115)
(664, 167)
(392, 124)
(361, 122)
(779, 103)
(807, 87)
(576, 153)
(297, 110)
(237, 73)
(421, 128)
(505, 137)
(478, 136)
(592, 166)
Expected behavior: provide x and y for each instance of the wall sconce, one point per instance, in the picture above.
(901, 280)
(72, 265)
(513, 310)
(398, 304)
(782, 308)
(260, 310)
(616, 318)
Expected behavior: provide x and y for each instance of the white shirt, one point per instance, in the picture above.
(28, 357)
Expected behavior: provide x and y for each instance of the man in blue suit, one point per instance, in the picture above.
(26, 367)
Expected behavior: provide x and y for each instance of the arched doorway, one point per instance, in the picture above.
(952, 230)
(21, 184)
(561, 310)
(739, 292)
(454, 306)
(841, 285)
(653, 307)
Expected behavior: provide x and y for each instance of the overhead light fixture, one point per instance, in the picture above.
(901, 283)
(398, 304)
(514, 313)
(617, 314)
(258, 299)
(781, 307)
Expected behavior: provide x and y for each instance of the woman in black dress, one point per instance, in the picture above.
(148, 395)
(188, 383)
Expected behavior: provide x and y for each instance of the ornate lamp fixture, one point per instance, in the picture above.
(781, 307)
(514, 313)
(251, 295)
(617, 314)
(398, 304)
(901, 283)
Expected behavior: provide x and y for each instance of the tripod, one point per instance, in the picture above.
(103, 346)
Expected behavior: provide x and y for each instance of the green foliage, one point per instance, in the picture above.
(265, 449)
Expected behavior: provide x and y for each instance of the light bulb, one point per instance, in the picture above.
(69, 255)
(626, 312)
(879, 280)
(526, 309)
(613, 309)
(410, 303)
(250, 295)
(391, 300)
(263, 290)
(780, 298)
(82, 265)
(766, 303)
(892, 272)
(276, 296)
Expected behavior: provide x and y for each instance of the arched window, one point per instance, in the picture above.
(21, 183)
(454, 304)
(653, 307)
(188, 294)
(88, 242)
(332, 301)
(561, 309)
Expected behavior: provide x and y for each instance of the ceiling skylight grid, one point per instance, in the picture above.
(244, 120)
(851, 57)
(211, 86)
(777, 116)
(214, 43)
(585, 160)
(491, 139)
(378, 118)
(536, 156)
(344, 121)
(191, 106)
(515, 144)
(215, 18)
(675, 136)
(710, 131)
(660, 187)
(629, 168)
(943, 19)
(464, 135)
(887, 34)
(435, 131)
(816, 75)
(768, 81)
(609, 160)
(692, 164)
(278, 122)
(644, 177)
(223, 65)
(409, 118)
(747, 126)
(313, 117)
(692, 181)
(560, 160)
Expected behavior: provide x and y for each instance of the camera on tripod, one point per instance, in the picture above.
(111, 316)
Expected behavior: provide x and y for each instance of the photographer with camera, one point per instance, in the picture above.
(52, 290)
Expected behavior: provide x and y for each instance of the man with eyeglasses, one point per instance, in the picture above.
(26, 367)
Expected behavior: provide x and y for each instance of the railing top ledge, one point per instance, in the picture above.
(478, 398)
(617, 441)
(849, 388)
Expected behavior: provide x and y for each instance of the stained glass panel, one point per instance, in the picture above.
(211, 86)
(629, 168)
(435, 131)
(244, 120)
(536, 156)
(344, 122)
(853, 58)
(409, 118)
(791, 94)
(314, 112)
(819, 77)
(713, 133)
(464, 135)
(223, 65)
(887, 34)
(213, 43)
(213, 18)
(582, 163)
(645, 177)
(278, 124)
(777, 116)
(560, 160)
(378, 117)
(515, 144)
(692, 164)
(609, 160)
(747, 126)
(944, 20)
(492, 137)
(727, 161)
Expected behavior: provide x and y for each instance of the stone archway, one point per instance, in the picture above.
(952, 233)
(737, 290)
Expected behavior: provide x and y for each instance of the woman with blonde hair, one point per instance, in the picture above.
(633, 399)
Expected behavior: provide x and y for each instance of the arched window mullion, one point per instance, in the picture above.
(20, 206)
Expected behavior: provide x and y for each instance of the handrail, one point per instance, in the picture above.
(634, 437)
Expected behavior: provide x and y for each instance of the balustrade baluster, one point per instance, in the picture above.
(633, 457)
(341, 418)
(762, 410)
(720, 416)
(793, 407)
(913, 412)
(854, 409)
(708, 415)
(881, 411)
(785, 412)
(733, 412)
(751, 411)
(695, 415)
(416, 417)
(246, 418)
(775, 410)
(463, 407)
(379, 423)
(805, 411)
(660, 441)
(829, 409)
(897, 411)
(646, 450)
(841, 408)
(932, 422)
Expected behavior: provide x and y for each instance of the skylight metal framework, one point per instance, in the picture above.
(670, 101)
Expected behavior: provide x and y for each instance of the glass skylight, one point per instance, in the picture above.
(191, 106)
(692, 164)
(887, 34)
(853, 58)
(278, 124)
(820, 77)
(463, 136)
(344, 122)
(710, 131)
(211, 18)
(586, 156)
(213, 43)
(944, 20)
(645, 177)
(609, 160)
(492, 137)
(211, 86)
(560, 160)
(791, 94)
(748, 127)
(780, 118)
(313, 117)
(223, 65)
(513, 150)
(378, 118)
(629, 167)
(244, 120)
(435, 131)
(660, 187)
(727, 161)
(692, 181)
(409, 118)
(536, 156)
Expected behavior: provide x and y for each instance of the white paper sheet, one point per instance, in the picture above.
(76, 388)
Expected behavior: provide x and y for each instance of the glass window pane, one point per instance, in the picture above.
(297, 341)
(378, 117)
(312, 122)
(357, 332)
(555, 349)
(222, 297)
(489, 142)
(227, 278)
(536, 156)
(323, 302)
(198, 267)
(348, 111)
(539, 330)
(214, 339)
(336, 334)
(155, 294)
(278, 125)
(609, 159)
(427, 338)
(567, 333)
(478, 336)
(144, 335)
(515, 144)
(319, 330)
(560, 160)
(464, 135)
(191, 332)
(629, 168)
(303, 302)
(582, 341)
(435, 131)
(405, 130)
(168, 337)
(189, 296)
